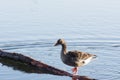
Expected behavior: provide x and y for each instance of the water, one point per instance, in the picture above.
(31, 27)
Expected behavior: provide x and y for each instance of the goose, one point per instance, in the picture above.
(74, 58)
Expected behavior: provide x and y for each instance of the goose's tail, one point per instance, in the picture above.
(94, 56)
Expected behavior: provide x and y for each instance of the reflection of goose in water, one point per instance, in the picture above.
(74, 58)
(81, 78)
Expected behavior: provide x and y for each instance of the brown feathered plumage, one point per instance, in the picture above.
(74, 58)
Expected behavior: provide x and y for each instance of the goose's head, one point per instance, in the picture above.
(60, 42)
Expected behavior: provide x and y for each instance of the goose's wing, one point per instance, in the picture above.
(79, 55)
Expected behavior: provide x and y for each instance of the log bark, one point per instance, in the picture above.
(31, 65)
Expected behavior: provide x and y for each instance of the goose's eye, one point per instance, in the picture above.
(83, 62)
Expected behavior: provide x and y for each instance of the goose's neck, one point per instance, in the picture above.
(64, 49)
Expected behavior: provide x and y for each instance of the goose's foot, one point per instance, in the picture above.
(75, 70)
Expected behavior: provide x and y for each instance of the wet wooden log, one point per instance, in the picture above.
(32, 62)
(29, 65)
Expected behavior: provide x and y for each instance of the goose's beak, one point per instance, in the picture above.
(56, 44)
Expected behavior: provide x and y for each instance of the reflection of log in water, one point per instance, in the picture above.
(29, 65)
(17, 65)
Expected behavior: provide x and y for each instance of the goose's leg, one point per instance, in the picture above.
(75, 70)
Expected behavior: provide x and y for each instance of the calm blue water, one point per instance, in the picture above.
(31, 27)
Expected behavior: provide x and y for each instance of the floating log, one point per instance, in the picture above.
(29, 65)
